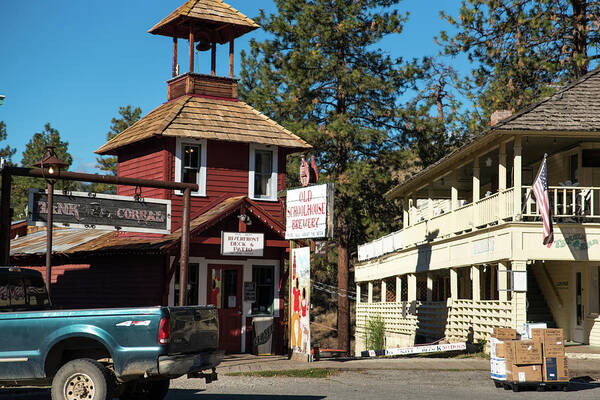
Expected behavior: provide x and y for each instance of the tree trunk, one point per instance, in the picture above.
(343, 320)
(580, 22)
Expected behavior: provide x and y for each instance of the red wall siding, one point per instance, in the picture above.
(145, 160)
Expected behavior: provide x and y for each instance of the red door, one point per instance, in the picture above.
(225, 292)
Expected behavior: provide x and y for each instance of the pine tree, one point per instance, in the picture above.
(8, 151)
(322, 76)
(108, 164)
(521, 51)
(34, 151)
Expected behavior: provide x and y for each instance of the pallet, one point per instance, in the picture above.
(539, 386)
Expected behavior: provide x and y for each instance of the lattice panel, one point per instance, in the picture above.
(390, 290)
(477, 318)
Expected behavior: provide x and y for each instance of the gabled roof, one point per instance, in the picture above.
(574, 108)
(220, 20)
(206, 118)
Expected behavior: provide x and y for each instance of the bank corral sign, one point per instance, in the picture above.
(100, 211)
(309, 212)
(242, 244)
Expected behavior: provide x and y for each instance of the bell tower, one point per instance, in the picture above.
(204, 23)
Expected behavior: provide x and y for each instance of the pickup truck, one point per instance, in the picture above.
(99, 354)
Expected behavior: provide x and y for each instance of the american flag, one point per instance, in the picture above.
(540, 191)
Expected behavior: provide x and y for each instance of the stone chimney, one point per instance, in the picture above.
(499, 115)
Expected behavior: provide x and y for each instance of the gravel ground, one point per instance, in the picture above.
(361, 385)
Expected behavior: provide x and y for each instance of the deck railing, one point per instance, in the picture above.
(569, 204)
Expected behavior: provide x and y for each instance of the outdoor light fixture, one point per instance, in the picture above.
(53, 164)
(488, 162)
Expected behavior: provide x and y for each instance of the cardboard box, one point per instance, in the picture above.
(523, 352)
(556, 369)
(504, 333)
(524, 373)
(553, 350)
(554, 336)
(537, 334)
(500, 350)
(497, 368)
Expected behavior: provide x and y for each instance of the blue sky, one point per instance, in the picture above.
(73, 63)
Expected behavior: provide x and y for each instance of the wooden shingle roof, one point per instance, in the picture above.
(219, 19)
(206, 118)
(575, 107)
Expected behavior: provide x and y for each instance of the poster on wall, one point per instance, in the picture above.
(300, 301)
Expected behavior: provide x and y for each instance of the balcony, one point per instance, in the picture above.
(569, 204)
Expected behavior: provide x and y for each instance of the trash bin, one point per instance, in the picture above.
(262, 340)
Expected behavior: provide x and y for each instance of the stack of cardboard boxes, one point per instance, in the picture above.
(539, 359)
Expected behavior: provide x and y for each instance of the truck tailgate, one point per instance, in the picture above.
(193, 329)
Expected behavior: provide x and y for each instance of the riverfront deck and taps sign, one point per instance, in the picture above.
(100, 211)
(309, 212)
(242, 244)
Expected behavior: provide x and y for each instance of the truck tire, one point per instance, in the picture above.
(144, 389)
(82, 378)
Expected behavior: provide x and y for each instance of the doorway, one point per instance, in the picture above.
(579, 314)
(225, 293)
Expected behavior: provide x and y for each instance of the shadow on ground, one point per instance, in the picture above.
(190, 394)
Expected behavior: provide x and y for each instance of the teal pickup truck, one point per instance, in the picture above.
(99, 354)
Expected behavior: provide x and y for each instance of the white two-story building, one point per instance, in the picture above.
(470, 257)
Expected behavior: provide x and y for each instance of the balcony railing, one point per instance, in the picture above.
(569, 204)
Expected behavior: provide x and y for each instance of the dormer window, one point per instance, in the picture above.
(263, 172)
(190, 163)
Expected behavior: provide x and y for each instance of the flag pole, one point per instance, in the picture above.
(531, 190)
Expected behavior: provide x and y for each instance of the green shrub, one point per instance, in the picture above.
(375, 333)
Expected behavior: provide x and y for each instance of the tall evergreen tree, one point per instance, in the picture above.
(34, 151)
(6, 152)
(108, 164)
(522, 50)
(323, 77)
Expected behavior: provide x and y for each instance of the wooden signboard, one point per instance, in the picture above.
(100, 211)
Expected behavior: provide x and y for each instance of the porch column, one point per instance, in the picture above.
(476, 282)
(358, 292)
(383, 291)
(454, 191)
(519, 299)
(476, 193)
(370, 293)
(502, 281)
(411, 213)
(429, 287)
(517, 170)
(430, 201)
(501, 181)
(412, 287)
(453, 284)
(398, 289)
(405, 217)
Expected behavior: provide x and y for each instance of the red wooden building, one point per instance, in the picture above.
(202, 134)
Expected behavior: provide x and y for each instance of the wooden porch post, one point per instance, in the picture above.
(398, 289)
(358, 293)
(519, 299)
(405, 221)
(231, 58)
(383, 291)
(517, 170)
(476, 191)
(453, 283)
(501, 181)
(476, 279)
(502, 281)
(430, 201)
(185, 247)
(454, 191)
(412, 287)
(429, 287)
(411, 216)
(370, 293)
(174, 57)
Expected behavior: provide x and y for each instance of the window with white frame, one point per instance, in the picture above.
(263, 172)
(190, 163)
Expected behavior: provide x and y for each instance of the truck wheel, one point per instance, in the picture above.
(146, 390)
(80, 379)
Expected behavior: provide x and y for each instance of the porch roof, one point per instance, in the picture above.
(572, 110)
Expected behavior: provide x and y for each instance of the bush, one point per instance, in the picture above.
(375, 333)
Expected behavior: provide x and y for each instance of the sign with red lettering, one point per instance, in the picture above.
(309, 212)
(100, 211)
(242, 244)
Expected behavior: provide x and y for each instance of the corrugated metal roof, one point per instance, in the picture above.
(62, 241)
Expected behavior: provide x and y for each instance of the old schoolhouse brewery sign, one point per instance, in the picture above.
(101, 211)
(309, 212)
(242, 244)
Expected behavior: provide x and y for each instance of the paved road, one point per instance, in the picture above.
(370, 385)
